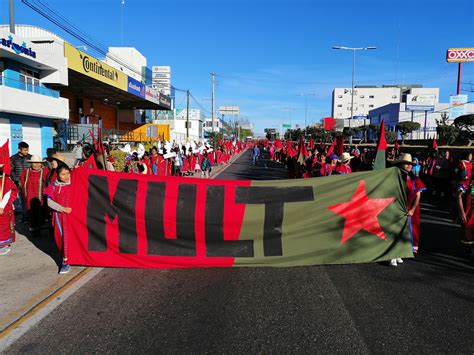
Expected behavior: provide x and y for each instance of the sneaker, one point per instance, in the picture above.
(65, 268)
(393, 262)
(5, 250)
(399, 261)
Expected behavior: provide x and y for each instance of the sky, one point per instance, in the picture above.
(266, 53)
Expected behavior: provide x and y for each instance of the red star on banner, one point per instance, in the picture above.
(361, 214)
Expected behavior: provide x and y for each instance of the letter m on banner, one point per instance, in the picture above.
(101, 206)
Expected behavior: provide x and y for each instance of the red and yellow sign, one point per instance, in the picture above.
(460, 55)
(94, 68)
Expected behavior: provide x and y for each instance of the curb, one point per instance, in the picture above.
(37, 303)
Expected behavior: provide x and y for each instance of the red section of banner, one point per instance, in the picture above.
(77, 235)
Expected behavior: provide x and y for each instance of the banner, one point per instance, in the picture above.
(124, 220)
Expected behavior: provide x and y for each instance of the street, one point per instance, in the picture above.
(424, 305)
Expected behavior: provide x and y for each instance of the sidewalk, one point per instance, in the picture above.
(30, 271)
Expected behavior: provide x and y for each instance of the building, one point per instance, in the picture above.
(128, 60)
(196, 124)
(367, 98)
(94, 92)
(30, 107)
(218, 123)
(393, 114)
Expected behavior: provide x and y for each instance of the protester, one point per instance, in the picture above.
(8, 194)
(343, 166)
(255, 155)
(414, 188)
(33, 182)
(206, 166)
(333, 160)
(58, 197)
(19, 162)
(464, 201)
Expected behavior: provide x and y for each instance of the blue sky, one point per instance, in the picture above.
(266, 52)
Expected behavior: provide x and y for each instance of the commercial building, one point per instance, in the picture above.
(196, 123)
(29, 106)
(92, 91)
(368, 98)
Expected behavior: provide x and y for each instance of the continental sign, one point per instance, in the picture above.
(460, 55)
(94, 68)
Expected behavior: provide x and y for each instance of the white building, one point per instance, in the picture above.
(368, 98)
(127, 59)
(218, 125)
(196, 123)
(29, 108)
(392, 114)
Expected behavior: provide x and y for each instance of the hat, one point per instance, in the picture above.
(59, 157)
(404, 158)
(345, 157)
(333, 156)
(35, 159)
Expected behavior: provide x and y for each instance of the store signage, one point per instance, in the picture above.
(457, 106)
(94, 68)
(460, 55)
(421, 102)
(136, 88)
(18, 48)
(165, 101)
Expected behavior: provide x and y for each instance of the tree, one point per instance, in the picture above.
(406, 127)
(391, 137)
(447, 133)
(214, 137)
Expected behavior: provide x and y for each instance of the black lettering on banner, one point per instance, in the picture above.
(215, 243)
(185, 244)
(274, 199)
(122, 207)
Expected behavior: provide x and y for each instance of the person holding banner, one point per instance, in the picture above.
(414, 187)
(8, 194)
(58, 196)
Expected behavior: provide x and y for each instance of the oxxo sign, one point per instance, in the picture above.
(460, 55)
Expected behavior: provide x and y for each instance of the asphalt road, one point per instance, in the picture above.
(425, 305)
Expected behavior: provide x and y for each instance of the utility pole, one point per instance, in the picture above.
(187, 115)
(213, 75)
(12, 17)
(123, 4)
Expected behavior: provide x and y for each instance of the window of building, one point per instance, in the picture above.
(29, 79)
(394, 96)
(371, 105)
(371, 96)
(362, 96)
(339, 96)
(339, 105)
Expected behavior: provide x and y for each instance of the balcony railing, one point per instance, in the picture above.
(20, 85)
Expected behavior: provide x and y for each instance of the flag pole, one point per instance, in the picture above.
(3, 186)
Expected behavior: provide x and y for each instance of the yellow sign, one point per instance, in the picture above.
(94, 68)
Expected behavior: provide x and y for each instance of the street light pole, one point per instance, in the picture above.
(353, 77)
(306, 106)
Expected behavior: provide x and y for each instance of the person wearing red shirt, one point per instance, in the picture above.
(464, 202)
(33, 181)
(343, 167)
(8, 194)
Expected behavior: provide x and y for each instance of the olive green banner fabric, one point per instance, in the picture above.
(133, 220)
(355, 218)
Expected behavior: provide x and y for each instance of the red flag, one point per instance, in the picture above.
(331, 148)
(311, 143)
(90, 163)
(382, 143)
(397, 146)
(434, 144)
(340, 145)
(5, 158)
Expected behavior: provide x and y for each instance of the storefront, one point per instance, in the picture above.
(28, 105)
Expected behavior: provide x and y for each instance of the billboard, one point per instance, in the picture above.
(421, 102)
(457, 105)
(460, 55)
(229, 110)
(94, 68)
(329, 123)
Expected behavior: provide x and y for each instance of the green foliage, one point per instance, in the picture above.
(391, 137)
(406, 127)
(465, 123)
(213, 137)
(119, 159)
(447, 133)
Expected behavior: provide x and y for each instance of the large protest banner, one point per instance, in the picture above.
(124, 220)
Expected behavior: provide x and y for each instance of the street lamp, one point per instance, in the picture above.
(353, 76)
(306, 106)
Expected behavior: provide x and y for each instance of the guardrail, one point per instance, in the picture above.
(21, 85)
